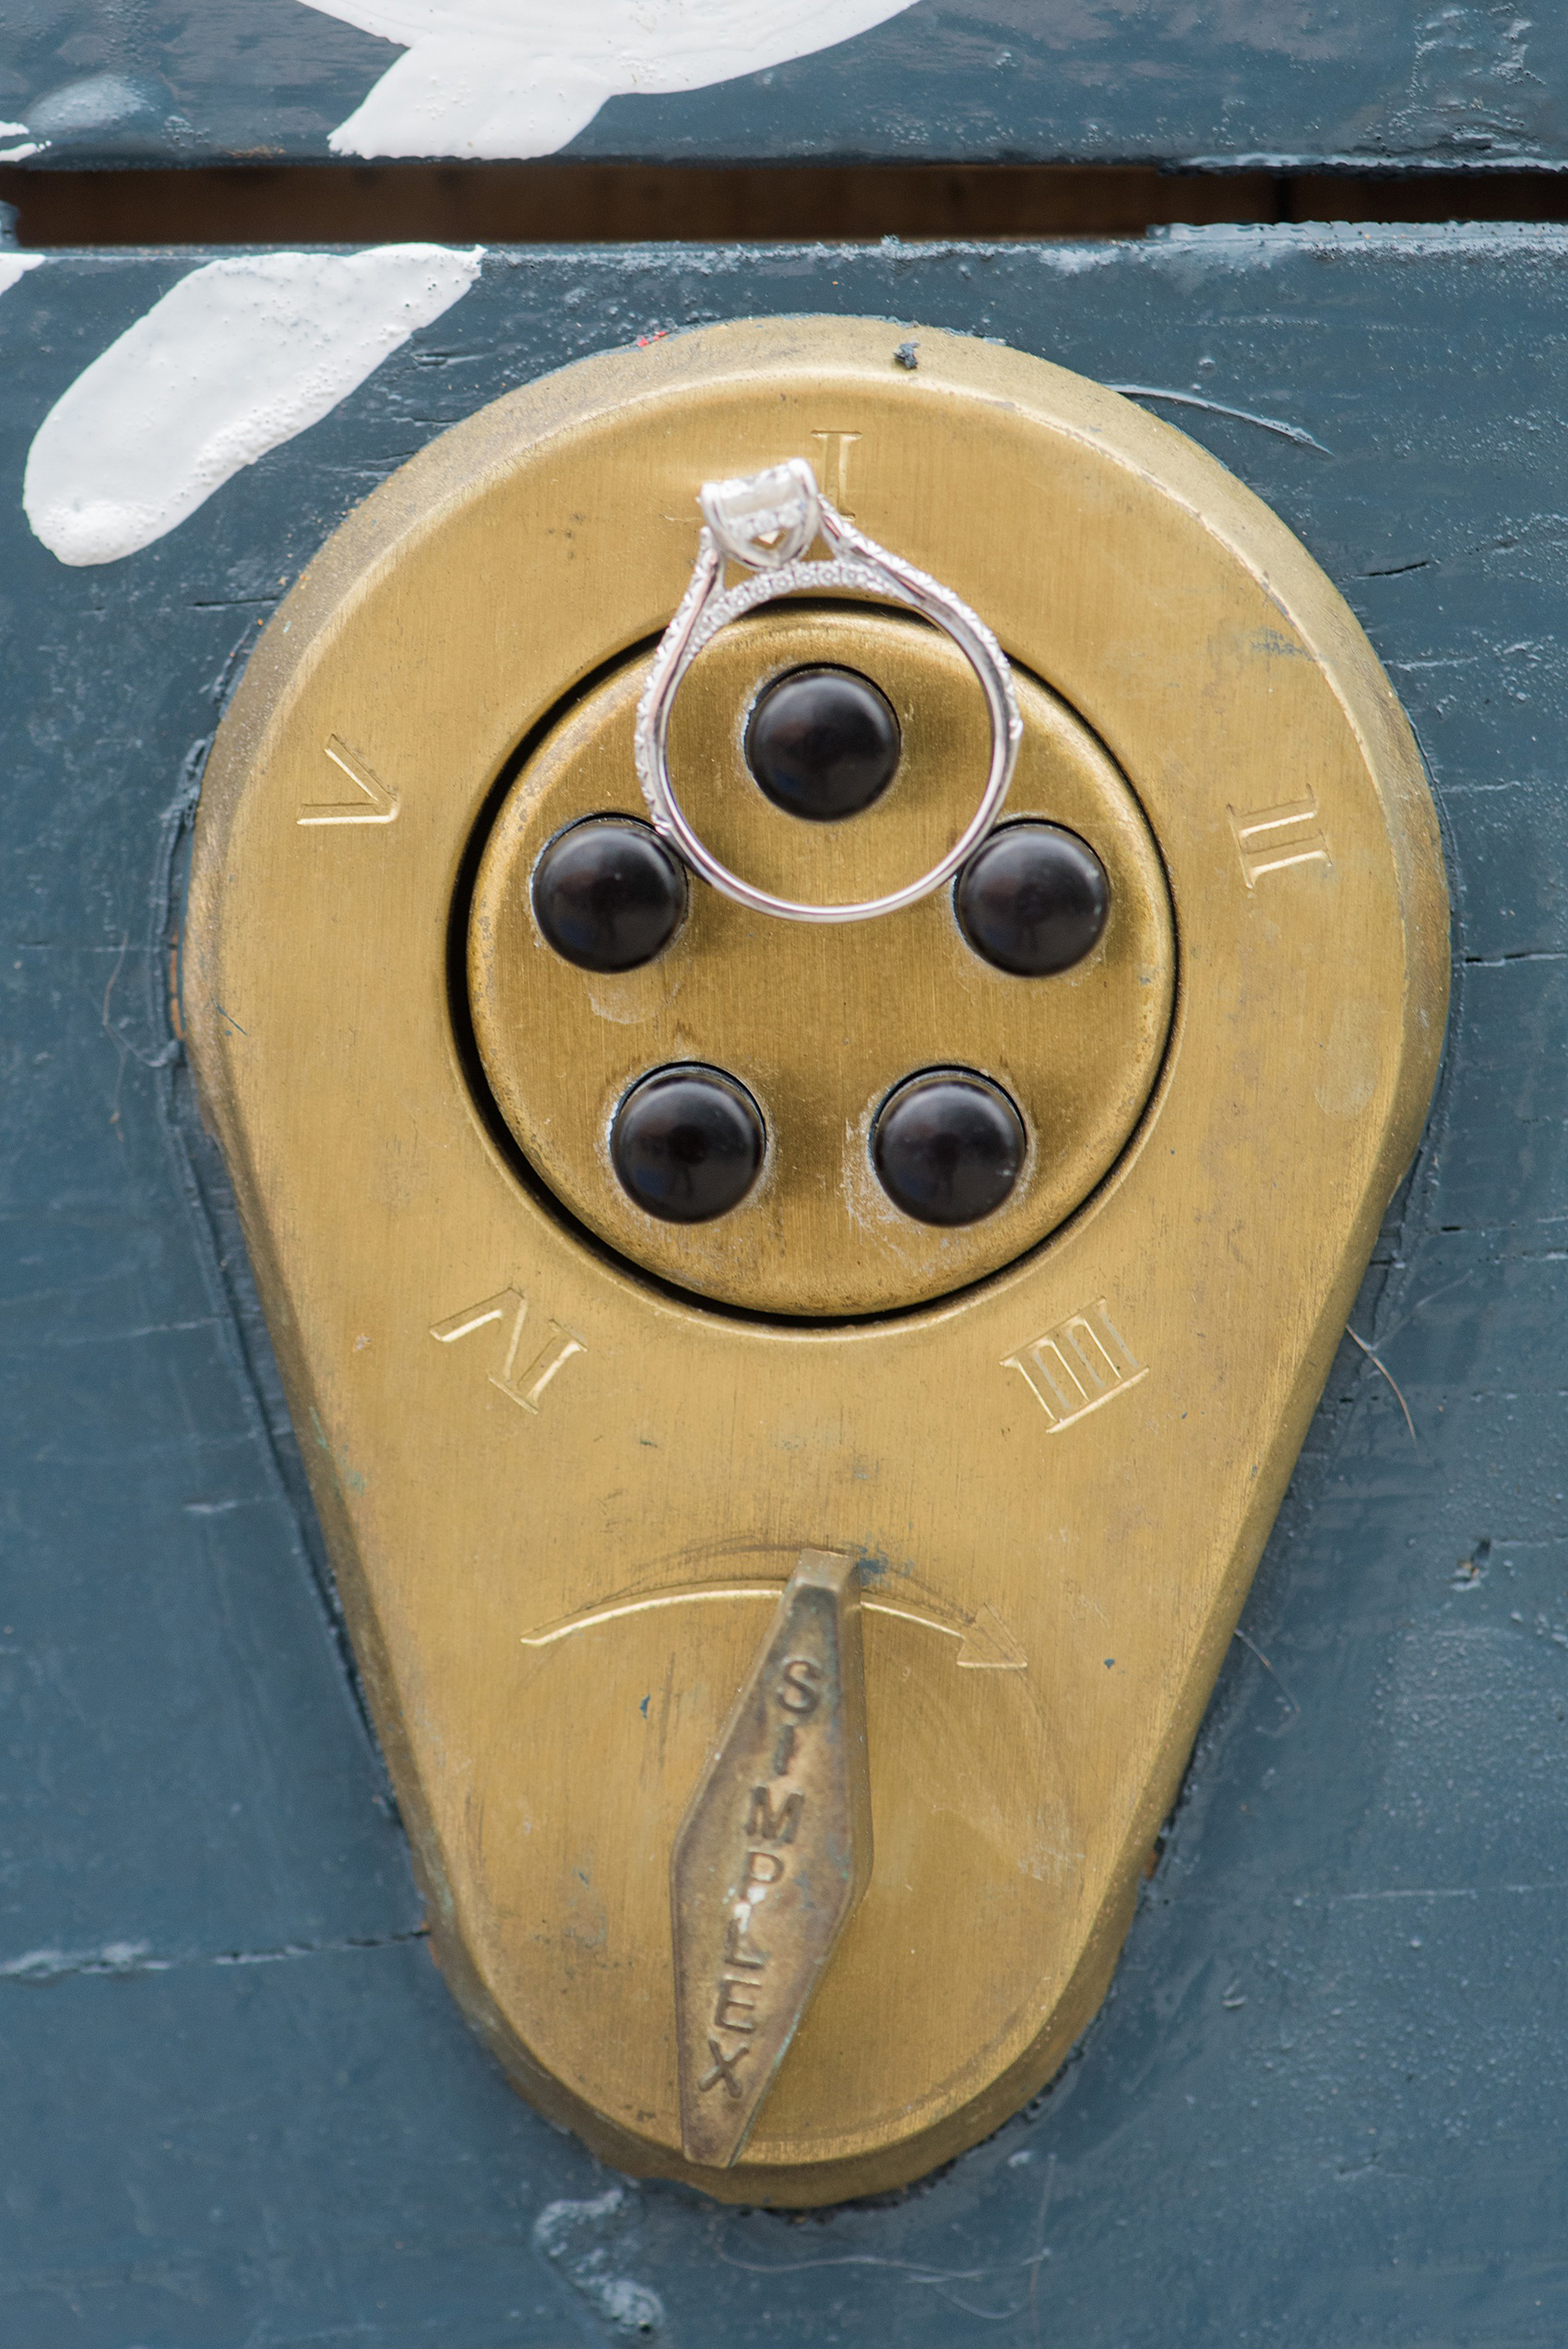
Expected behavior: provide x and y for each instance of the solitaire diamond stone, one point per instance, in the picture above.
(764, 520)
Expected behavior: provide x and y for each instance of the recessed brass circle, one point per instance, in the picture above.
(820, 1025)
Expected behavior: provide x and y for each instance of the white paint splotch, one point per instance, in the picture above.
(15, 267)
(590, 2243)
(234, 360)
(493, 79)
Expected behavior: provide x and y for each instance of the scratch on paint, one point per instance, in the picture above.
(38, 1966)
(1303, 439)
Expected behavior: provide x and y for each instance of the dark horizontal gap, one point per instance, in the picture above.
(555, 203)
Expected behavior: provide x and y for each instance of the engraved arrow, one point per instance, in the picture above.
(772, 1857)
(989, 1646)
(378, 803)
(985, 1642)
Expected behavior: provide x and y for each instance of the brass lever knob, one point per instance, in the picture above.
(772, 1857)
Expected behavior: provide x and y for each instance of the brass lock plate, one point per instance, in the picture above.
(564, 1476)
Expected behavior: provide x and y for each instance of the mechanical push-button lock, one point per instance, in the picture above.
(803, 1282)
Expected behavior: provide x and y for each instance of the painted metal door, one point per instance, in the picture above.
(1322, 2102)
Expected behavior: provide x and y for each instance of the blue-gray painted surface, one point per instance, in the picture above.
(1324, 2104)
(1223, 82)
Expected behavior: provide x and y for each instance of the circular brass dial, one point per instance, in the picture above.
(820, 1024)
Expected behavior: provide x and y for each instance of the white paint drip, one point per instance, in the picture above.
(15, 266)
(237, 358)
(589, 2240)
(15, 154)
(515, 78)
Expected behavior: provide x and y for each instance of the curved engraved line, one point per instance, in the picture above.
(958, 1631)
(612, 1613)
(771, 1591)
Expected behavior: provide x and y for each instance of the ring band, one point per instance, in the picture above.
(766, 524)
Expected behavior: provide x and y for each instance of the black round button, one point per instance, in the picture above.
(687, 1143)
(948, 1148)
(609, 894)
(1032, 900)
(822, 743)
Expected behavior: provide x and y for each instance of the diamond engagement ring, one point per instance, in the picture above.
(766, 524)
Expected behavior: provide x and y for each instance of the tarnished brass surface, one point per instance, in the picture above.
(820, 1025)
(773, 1857)
(562, 1500)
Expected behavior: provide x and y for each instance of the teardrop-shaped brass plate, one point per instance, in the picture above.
(563, 1497)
